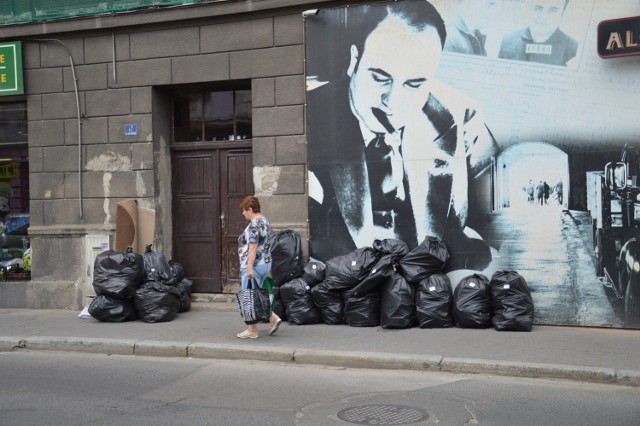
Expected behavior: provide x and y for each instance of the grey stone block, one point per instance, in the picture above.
(264, 151)
(46, 133)
(142, 156)
(46, 185)
(89, 77)
(30, 55)
(8, 343)
(286, 208)
(100, 49)
(53, 54)
(290, 90)
(60, 212)
(81, 344)
(286, 60)
(195, 69)
(164, 43)
(146, 72)
(13, 295)
(263, 92)
(288, 29)
(36, 164)
(291, 150)
(141, 100)
(118, 184)
(94, 131)
(227, 351)
(60, 105)
(108, 102)
(60, 159)
(56, 268)
(116, 128)
(291, 180)
(520, 369)
(108, 158)
(279, 121)
(160, 348)
(242, 35)
(34, 107)
(43, 80)
(36, 212)
(367, 360)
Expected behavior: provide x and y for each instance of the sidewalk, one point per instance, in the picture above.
(586, 354)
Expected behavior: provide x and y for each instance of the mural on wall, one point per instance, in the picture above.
(493, 137)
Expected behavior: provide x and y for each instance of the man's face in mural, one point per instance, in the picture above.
(390, 77)
(546, 16)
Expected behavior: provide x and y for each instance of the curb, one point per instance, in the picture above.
(346, 359)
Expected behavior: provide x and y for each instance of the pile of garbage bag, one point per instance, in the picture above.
(131, 286)
(390, 286)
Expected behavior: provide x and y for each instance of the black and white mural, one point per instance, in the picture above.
(491, 124)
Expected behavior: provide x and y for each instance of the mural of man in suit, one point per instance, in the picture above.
(392, 152)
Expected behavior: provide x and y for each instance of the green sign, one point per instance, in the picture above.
(11, 68)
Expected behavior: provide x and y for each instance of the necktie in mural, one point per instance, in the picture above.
(384, 165)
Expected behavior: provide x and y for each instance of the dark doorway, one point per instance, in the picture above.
(207, 186)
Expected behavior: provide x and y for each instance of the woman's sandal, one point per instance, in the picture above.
(246, 335)
(274, 327)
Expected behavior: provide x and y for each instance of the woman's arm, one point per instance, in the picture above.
(251, 257)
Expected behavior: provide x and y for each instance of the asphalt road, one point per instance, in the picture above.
(55, 389)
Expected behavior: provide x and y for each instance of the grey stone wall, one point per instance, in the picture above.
(78, 185)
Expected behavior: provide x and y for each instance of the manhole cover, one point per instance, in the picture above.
(382, 415)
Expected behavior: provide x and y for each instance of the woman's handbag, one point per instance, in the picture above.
(253, 303)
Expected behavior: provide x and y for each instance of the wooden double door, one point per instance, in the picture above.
(207, 187)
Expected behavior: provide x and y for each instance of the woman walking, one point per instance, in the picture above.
(255, 257)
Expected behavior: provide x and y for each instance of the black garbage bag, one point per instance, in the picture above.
(177, 269)
(381, 271)
(511, 302)
(278, 306)
(298, 302)
(157, 268)
(329, 303)
(118, 274)
(428, 258)
(187, 284)
(362, 311)
(314, 272)
(157, 302)
(434, 302)
(112, 309)
(472, 302)
(396, 248)
(183, 297)
(397, 308)
(345, 272)
(286, 256)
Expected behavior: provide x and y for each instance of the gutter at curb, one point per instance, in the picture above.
(346, 359)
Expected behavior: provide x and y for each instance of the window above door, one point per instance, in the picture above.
(212, 115)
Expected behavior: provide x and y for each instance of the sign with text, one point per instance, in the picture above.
(11, 82)
(619, 37)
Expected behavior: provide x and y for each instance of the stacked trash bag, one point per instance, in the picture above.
(131, 286)
(390, 286)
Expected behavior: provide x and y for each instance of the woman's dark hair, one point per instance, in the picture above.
(250, 202)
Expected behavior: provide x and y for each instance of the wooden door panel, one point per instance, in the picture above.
(236, 183)
(196, 231)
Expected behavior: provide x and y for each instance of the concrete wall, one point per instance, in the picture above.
(66, 204)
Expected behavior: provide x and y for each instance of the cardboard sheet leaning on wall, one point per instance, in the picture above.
(135, 226)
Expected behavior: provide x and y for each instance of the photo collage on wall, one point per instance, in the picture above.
(495, 138)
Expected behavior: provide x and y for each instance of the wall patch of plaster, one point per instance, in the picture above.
(106, 185)
(265, 179)
(109, 162)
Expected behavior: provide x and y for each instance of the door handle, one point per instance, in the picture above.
(223, 221)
